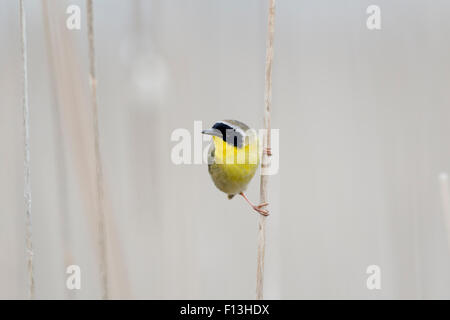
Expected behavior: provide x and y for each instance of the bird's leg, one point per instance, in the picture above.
(257, 208)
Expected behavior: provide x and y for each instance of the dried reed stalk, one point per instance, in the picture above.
(76, 125)
(98, 160)
(26, 162)
(61, 161)
(266, 152)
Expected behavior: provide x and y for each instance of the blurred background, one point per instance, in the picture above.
(364, 135)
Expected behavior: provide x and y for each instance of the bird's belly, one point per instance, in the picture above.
(232, 178)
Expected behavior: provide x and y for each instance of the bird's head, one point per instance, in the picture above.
(233, 132)
(234, 142)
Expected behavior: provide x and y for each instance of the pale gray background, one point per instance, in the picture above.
(364, 123)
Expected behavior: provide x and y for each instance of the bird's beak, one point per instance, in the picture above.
(212, 132)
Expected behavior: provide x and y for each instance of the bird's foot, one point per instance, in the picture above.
(259, 208)
(268, 151)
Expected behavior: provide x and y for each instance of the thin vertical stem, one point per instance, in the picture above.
(26, 163)
(98, 160)
(50, 36)
(266, 152)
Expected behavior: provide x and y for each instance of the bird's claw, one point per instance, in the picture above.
(261, 211)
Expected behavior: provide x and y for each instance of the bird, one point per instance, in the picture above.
(233, 159)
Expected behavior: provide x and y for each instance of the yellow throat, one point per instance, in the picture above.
(246, 156)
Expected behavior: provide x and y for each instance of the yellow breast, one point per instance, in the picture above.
(233, 168)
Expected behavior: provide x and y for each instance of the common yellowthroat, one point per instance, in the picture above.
(233, 158)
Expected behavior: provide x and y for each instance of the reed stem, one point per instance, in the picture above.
(26, 162)
(98, 160)
(266, 152)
